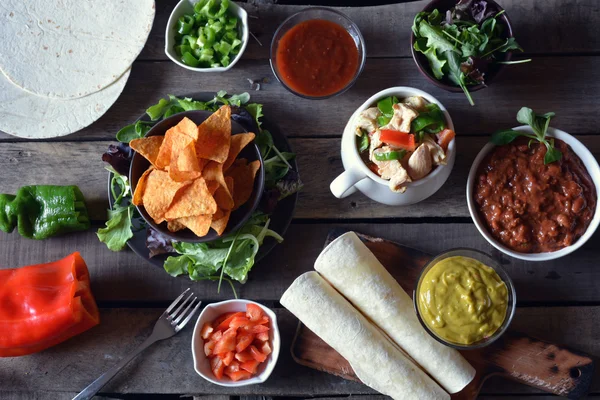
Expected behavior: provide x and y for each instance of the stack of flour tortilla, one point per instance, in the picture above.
(355, 305)
(63, 63)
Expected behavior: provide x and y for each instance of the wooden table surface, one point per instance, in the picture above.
(557, 300)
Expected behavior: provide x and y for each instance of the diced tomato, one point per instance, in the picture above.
(239, 375)
(250, 366)
(221, 318)
(208, 348)
(255, 328)
(266, 348)
(215, 337)
(244, 356)
(238, 322)
(256, 354)
(262, 321)
(254, 312)
(445, 137)
(263, 336)
(224, 324)
(227, 357)
(217, 367)
(227, 342)
(399, 139)
(233, 367)
(207, 329)
(243, 340)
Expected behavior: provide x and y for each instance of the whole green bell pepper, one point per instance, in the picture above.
(42, 211)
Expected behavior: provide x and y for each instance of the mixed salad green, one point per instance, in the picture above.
(229, 258)
(462, 44)
(209, 37)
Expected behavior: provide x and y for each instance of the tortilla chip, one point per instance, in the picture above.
(199, 224)
(238, 142)
(140, 188)
(212, 186)
(219, 225)
(164, 155)
(148, 147)
(175, 225)
(188, 127)
(218, 215)
(214, 136)
(193, 200)
(184, 163)
(160, 192)
(243, 175)
(223, 196)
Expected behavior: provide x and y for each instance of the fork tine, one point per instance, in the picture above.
(177, 311)
(190, 315)
(184, 312)
(174, 303)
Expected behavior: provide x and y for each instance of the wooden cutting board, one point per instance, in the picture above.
(546, 366)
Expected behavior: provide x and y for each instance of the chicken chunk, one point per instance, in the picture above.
(419, 163)
(403, 117)
(374, 142)
(416, 102)
(367, 120)
(392, 171)
(438, 155)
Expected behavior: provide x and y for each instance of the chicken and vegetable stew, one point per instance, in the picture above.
(403, 141)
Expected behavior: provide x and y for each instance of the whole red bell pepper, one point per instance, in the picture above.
(43, 305)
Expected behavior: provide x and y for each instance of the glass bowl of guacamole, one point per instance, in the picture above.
(464, 299)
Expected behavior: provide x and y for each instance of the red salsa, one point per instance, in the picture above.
(317, 58)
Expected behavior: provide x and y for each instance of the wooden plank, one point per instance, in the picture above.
(167, 368)
(496, 107)
(387, 28)
(125, 277)
(27, 395)
(67, 163)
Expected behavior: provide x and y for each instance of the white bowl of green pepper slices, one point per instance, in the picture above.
(206, 35)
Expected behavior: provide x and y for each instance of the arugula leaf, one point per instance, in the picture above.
(435, 37)
(133, 131)
(456, 75)
(435, 62)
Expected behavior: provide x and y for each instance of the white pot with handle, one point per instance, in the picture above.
(357, 176)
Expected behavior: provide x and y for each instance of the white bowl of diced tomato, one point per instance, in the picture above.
(236, 343)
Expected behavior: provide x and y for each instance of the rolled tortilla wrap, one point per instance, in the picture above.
(357, 274)
(376, 361)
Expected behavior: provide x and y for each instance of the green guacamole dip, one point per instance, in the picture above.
(462, 300)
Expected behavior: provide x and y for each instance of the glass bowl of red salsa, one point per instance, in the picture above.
(317, 53)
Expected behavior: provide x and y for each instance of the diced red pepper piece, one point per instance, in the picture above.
(239, 375)
(208, 348)
(217, 367)
(239, 322)
(206, 331)
(445, 137)
(399, 139)
(254, 312)
(243, 340)
(244, 356)
(227, 357)
(255, 328)
(250, 366)
(263, 336)
(227, 342)
(234, 366)
(266, 348)
(224, 324)
(256, 354)
(215, 337)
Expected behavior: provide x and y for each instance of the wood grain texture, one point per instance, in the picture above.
(167, 367)
(28, 163)
(546, 84)
(386, 28)
(125, 277)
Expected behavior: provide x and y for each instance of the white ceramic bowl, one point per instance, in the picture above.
(371, 184)
(590, 164)
(201, 362)
(187, 7)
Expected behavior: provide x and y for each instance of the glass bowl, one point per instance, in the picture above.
(327, 14)
(490, 262)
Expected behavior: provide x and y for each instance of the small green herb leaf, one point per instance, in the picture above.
(506, 136)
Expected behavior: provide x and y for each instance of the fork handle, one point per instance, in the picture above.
(99, 383)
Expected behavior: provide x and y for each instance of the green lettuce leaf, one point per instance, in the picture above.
(118, 228)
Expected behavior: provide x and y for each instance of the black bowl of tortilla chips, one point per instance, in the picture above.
(196, 176)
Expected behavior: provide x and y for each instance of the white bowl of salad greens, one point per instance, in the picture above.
(206, 35)
(398, 148)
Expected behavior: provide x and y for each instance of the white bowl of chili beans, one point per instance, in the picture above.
(529, 210)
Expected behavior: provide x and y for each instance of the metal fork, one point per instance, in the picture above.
(169, 323)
